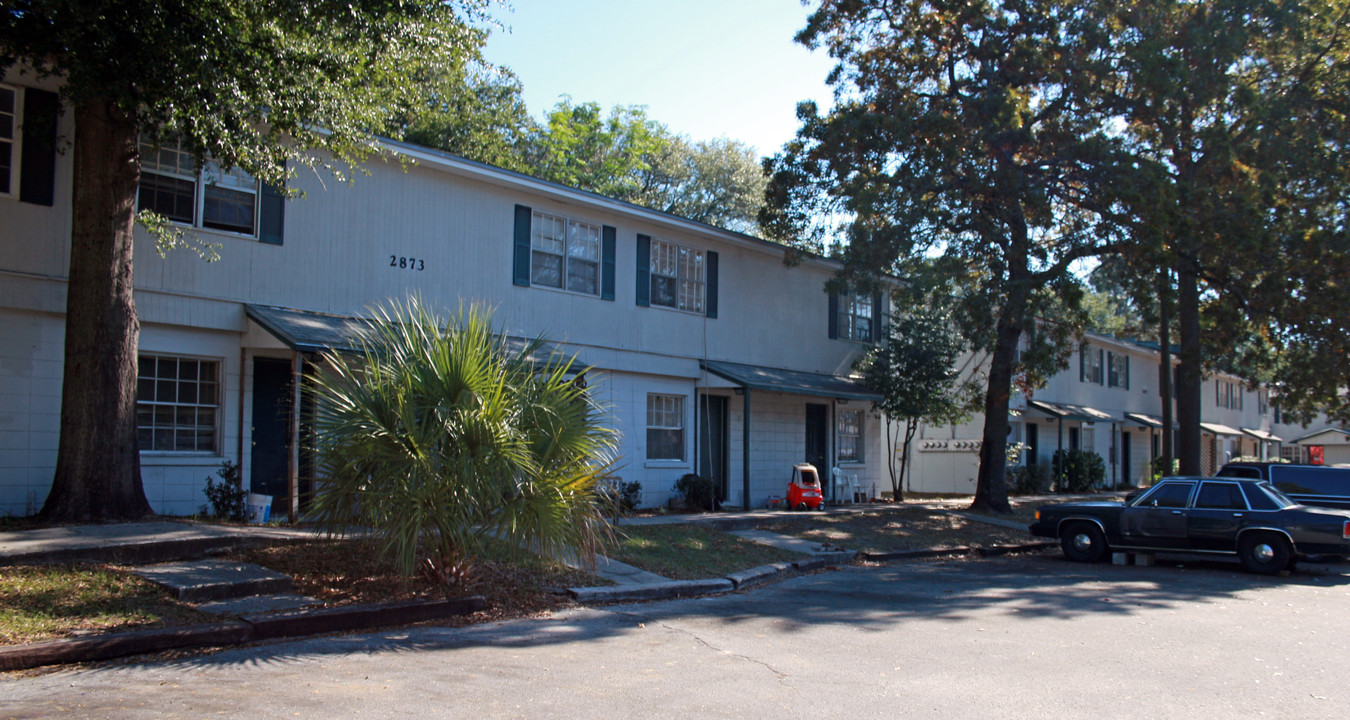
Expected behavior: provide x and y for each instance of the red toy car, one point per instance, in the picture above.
(804, 491)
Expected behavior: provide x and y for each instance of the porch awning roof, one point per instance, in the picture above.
(308, 331)
(1063, 411)
(1218, 429)
(756, 377)
(1262, 435)
(1145, 420)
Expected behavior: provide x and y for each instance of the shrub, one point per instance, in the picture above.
(621, 497)
(697, 492)
(440, 436)
(226, 497)
(1079, 470)
(1029, 479)
(1160, 469)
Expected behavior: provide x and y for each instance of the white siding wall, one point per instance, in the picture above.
(30, 407)
(458, 224)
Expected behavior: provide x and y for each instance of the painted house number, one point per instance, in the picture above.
(406, 263)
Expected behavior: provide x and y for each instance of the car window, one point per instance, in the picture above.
(1261, 496)
(1168, 495)
(1239, 471)
(1311, 480)
(1280, 498)
(1220, 496)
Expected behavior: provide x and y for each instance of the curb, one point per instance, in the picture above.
(234, 632)
(992, 551)
(765, 573)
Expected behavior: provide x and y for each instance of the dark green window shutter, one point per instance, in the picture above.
(521, 257)
(877, 318)
(271, 215)
(607, 240)
(1082, 364)
(834, 315)
(711, 304)
(1101, 366)
(644, 270)
(37, 168)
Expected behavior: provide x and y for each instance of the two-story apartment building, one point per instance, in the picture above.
(1107, 401)
(711, 355)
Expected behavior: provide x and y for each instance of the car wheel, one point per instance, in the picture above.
(801, 506)
(1264, 553)
(1083, 542)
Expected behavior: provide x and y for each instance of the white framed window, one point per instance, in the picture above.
(565, 254)
(1228, 394)
(1090, 365)
(678, 277)
(177, 404)
(9, 140)
(665, 427)
(855, 317)
(208, 197)
(1118, 371)
(849, 435)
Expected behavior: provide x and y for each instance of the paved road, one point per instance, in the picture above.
(1031, 636)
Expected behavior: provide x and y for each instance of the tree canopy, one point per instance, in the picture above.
(960, 152)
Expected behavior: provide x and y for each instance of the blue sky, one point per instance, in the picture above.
(704, 68)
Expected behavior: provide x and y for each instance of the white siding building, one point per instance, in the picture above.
(1108, 402)
(689, 329)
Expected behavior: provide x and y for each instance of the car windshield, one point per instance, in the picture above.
(1275, 494)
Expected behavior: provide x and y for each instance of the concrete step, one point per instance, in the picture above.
(200, 581)
(258, 604)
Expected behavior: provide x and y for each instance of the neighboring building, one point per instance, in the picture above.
(1107, 402)
(712, 355)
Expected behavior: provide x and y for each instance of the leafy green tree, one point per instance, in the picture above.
(960, 146)
(718, 182)
(915, 372)
(439, 435)
(472, 110)
(628, 156)
(248, 84)
(580, 146)
(1239, 109)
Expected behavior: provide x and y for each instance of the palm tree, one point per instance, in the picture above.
(439, 434)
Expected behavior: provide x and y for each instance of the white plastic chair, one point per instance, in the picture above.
(843, 487)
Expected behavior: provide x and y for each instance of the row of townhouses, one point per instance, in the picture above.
(710, 354)
(1108, 402)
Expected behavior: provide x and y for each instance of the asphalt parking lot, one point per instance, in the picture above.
(1024, 636)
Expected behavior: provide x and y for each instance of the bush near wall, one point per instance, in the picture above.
(1078, 470)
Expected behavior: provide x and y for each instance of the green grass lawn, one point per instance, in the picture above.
(45, 602)
(691, 552)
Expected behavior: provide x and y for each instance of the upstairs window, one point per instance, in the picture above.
(855, 317)
(1118, 371)
(207, 197)
(565, 254)
(1228, 394)
(677, 277)
(1090, 365)
(9, 149)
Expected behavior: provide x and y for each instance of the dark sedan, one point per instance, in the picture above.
(1249, 518)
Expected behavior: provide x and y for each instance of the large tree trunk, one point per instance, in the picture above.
(1188, 373)
(98, 473)
(991, 486)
